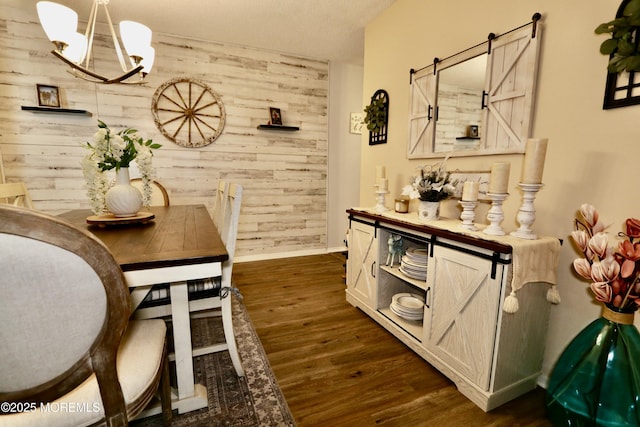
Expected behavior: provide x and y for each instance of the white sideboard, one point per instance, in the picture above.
(491, 355)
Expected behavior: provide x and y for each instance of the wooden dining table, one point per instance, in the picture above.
(178, 244)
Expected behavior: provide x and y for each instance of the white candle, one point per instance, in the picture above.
(499, 181)
(382, 185)
(470, 191)
(380, 174)
(534, 161)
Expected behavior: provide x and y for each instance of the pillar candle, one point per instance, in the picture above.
(379, 174)
(470, 191)
(499, 180)
(534, 155)
(382, 184)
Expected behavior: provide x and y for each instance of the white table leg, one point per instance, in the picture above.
(182, 339)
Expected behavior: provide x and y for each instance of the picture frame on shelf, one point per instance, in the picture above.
(480, 176)
(275, 116)
(473, 131)
(48, 96)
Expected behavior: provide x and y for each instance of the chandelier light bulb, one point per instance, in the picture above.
(58, 21)
(77, 48)
(136, 38)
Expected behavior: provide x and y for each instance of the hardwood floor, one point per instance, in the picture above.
(337, 367)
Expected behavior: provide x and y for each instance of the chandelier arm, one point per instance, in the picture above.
(115, 40)
(97, 76)
(76, 73)
(90, 32)
(78, 66)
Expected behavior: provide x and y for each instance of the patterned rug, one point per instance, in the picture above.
(255, 400)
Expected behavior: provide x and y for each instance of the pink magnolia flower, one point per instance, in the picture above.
(582, 267)
(633, 227)
(604, 271)
(581, 238)
(602, 291)
(598, 244)
(590, 214)
(631, 253)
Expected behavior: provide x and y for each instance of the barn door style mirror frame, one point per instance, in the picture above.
(478, 101)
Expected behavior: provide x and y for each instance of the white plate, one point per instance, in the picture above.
(408, 302)
(404, 315)
(421, 276)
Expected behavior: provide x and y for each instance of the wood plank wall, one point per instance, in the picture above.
(284, 173)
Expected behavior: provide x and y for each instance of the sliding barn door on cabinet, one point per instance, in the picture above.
(462, 308)
(362, 264)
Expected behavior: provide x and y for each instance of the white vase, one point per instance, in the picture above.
(429, 211)
(123, 199)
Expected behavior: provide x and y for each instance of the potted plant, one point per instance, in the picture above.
(622, 47)
(431, 187)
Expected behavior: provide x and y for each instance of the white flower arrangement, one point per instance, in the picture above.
(114, 151)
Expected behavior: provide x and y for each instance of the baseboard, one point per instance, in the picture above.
(268, 256)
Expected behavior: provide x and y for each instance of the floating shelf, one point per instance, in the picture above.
(279, 127)
(467, 137)
(53, 110)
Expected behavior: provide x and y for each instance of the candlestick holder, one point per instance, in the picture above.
(495, 215)
(527, 213)
(380, 207)
(468, 214)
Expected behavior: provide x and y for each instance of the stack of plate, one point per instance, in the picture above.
(414, 263)
(408, 306)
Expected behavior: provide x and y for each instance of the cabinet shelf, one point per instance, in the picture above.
(395, 271)
(52, 110)
(412, 327)
(279, 127)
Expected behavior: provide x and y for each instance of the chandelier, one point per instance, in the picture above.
(60, 23)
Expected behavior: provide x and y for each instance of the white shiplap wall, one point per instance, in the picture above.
(284, 173)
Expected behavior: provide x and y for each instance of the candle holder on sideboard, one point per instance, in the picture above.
(527, 212)
(380, 207)
(468, 214)
(495, 216)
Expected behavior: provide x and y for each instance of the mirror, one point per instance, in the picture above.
(478, 101)
(459, 119)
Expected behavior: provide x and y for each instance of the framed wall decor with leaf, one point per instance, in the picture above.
(377, 117)
(622, 87)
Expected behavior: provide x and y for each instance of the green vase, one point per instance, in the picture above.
(596, 381)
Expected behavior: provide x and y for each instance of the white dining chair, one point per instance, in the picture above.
(220, 204)
(66, 335)
(16, 194)
(210, 296)
(159, 194)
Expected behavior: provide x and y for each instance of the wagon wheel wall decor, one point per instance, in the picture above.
(188, 112)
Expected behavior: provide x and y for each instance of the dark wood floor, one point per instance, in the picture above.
(337, 367)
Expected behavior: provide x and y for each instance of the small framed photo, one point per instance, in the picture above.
(48, 96)
(276, 116)
(473, 131)
(356, 120)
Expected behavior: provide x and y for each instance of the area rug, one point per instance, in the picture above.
(254, 400)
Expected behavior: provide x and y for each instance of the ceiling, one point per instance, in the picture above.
(322, 29)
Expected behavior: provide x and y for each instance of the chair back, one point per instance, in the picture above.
(220, 204)
(16, 194)
(229, 231)
(159, 195)
(65, 306)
